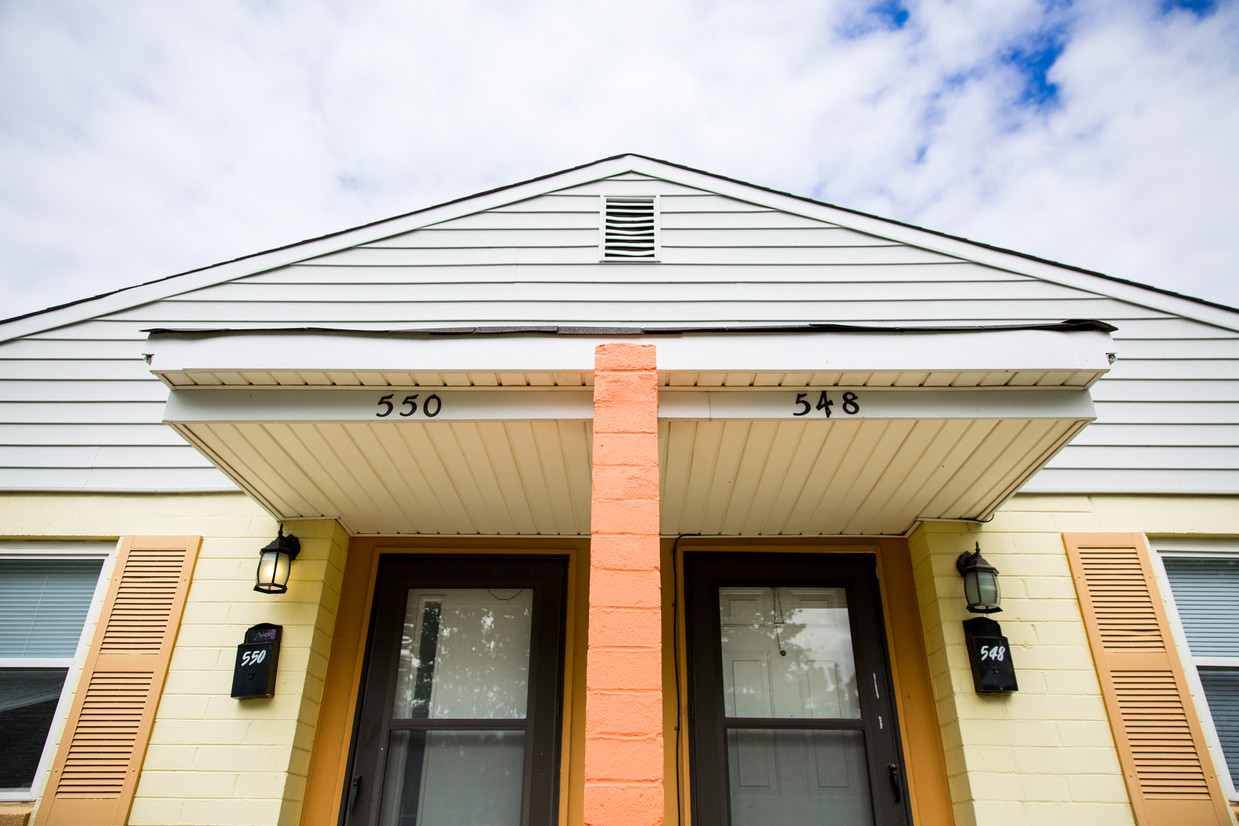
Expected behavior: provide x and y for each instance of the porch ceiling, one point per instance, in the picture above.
(936, 425)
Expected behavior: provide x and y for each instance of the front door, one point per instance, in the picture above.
(459, 715)
(791, 715)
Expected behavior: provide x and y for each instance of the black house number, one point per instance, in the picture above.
(805, 404)
(409, 406)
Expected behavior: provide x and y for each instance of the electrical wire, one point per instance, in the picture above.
(675, 654)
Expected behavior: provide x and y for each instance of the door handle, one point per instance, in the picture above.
(896, 781)
(353, 788)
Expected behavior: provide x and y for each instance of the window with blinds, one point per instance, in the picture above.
(44, 602)
(1204, 582)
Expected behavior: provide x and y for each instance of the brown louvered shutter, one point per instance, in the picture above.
(100, 755)
(1170, 777)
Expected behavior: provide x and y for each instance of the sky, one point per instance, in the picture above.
(142, 138)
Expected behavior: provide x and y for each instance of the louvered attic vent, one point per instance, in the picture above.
(629, 229)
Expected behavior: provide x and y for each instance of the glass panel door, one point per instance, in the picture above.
(452, 729)
(787, 654)
(792, 720)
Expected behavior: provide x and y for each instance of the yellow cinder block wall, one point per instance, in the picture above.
(216, 760)
(1045, 754)
(213, 760)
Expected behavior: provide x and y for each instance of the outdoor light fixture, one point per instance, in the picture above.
(980, 582)
(275, 563)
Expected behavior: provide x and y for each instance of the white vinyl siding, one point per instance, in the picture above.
(78, 409)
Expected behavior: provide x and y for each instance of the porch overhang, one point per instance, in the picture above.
(804, 431)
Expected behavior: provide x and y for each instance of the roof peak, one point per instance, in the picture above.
(610, 166)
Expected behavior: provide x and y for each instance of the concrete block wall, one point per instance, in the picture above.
(212, 760)
(1046, 754)
(216, 761)
(623, 683)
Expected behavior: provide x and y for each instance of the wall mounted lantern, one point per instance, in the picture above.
(989, 653)
(980, 582)
(275, 563)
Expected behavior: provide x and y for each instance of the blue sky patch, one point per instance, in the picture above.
(1033, 61)
(891, 12)
(882, 15)
(1200, 8)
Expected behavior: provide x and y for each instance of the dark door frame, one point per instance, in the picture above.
(705, 572)
(373, 724)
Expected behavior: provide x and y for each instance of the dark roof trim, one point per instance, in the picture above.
(1069, 326)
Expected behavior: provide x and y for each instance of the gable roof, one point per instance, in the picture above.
(903, 233)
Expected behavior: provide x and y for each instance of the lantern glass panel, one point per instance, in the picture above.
(972, 592)
(273, 570)
(987, 588)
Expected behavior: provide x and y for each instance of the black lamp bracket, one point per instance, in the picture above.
(289, 544)
(962, 562)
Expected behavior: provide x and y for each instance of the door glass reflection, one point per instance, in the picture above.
(465, 654)
(787, 652)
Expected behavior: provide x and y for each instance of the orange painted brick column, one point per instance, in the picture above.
(623, 683)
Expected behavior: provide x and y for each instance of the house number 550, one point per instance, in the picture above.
(429, 407)
(252, 657)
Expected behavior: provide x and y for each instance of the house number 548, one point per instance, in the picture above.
(994, 652)
(805, 405)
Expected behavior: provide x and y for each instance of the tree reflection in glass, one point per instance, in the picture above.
(464, 655)
(787, 652)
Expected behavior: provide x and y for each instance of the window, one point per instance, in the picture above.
(1204, 586)
(458, 719)
(46, 593)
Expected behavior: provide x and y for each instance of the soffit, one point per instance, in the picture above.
(921, 425)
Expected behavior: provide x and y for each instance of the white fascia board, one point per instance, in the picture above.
(827, 351)
(858, 403)
(887, 352)
(379, 405)
(391, 405)
(292, 351)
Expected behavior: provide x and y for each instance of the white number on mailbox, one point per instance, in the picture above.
(255, 657)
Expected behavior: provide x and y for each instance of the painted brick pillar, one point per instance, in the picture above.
(623, 684)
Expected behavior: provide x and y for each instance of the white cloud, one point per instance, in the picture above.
(146, 138)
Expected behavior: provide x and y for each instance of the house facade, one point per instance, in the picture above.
(631, 494)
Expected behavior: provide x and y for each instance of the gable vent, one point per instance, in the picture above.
(629, 229)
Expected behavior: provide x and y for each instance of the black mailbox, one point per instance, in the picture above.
(989, 653)
(254, 673)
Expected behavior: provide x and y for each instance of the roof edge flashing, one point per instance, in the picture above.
(231, 358)
(1067, 326)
